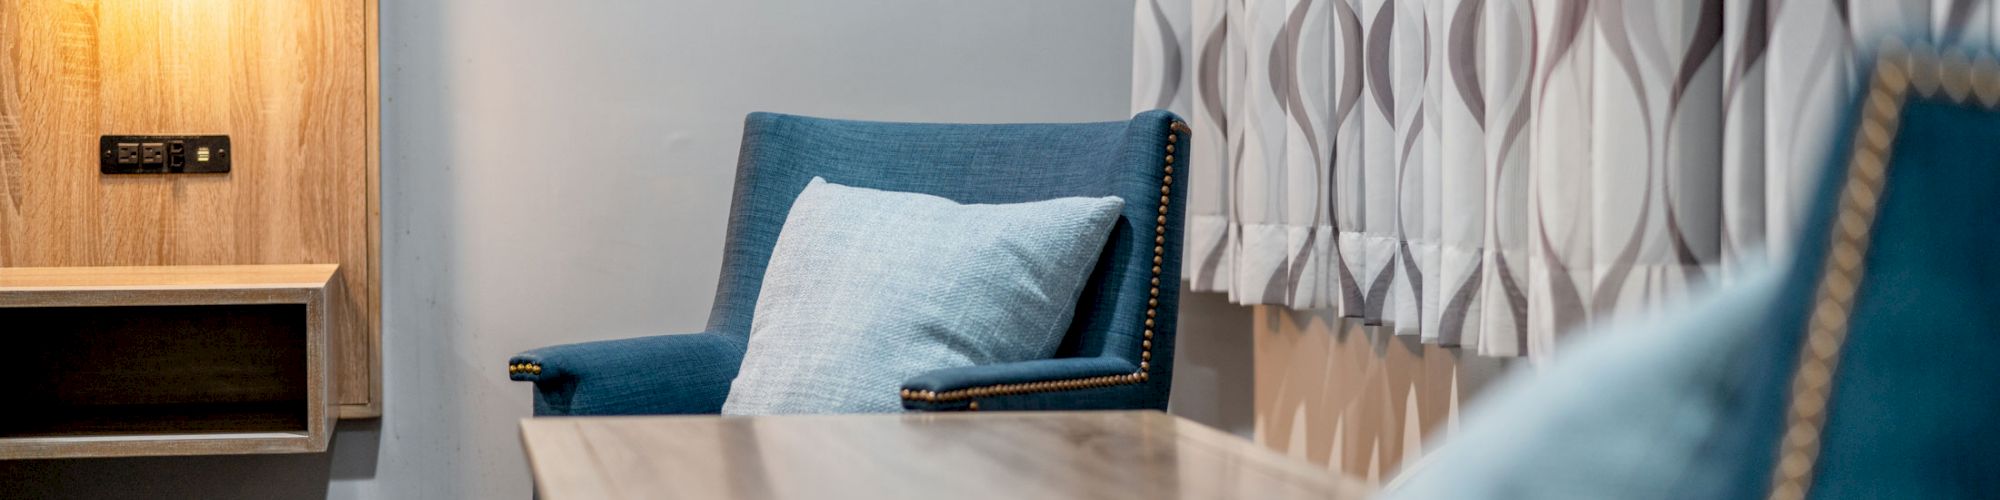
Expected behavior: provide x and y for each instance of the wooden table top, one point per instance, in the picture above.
(961, 456)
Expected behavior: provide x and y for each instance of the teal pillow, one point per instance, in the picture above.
(867, 288)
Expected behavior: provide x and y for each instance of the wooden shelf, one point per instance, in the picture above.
(177, 360)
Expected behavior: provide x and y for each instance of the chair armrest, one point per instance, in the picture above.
(1043, 384)
(665, 374)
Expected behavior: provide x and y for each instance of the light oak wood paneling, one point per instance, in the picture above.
(965, 456)
(139, 361)
(373, 301)
(293, 84)
(190, 278)
(1354, 398)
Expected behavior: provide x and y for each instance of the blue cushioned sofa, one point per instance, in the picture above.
(1118, 353)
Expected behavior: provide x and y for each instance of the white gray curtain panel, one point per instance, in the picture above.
(1491, 173)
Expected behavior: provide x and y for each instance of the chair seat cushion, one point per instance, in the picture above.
(867, 288)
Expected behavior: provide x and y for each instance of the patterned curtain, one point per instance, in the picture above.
(1490, 173)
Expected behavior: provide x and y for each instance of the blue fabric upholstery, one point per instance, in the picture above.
(966, 163)
(1913, 408)
(663, 374)
(1115, 397)
(1696, 405)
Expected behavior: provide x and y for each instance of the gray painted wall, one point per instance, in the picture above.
(559, 172)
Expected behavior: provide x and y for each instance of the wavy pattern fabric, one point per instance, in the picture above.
(1491, 173)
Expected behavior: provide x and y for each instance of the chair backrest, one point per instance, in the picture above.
(1008, 163)
(1877, 378)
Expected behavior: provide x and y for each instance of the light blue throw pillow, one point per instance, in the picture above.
(1626, 412)
(868, 288)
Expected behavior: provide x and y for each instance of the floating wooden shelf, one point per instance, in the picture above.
(170, 360)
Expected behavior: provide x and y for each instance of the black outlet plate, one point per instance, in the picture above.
(163, 154)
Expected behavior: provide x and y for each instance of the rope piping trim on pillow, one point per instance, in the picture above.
(1898, 70)
(1145, 345)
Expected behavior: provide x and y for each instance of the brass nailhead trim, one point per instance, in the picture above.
(524, 368)
(1986, 81)
(1145, 345)
(1955, 75)
(1923, 69)
(1897, 71)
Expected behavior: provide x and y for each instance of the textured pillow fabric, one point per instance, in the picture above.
(1627, 411)
(867, 288)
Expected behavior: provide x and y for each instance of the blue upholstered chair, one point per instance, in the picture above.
(1863, 367)
(1118, 353)
(1876, 379)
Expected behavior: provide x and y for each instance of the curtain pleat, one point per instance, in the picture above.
(1489, 174)
(1746, 29)
(1560, 177)
(1461, 176)
(1506, 263)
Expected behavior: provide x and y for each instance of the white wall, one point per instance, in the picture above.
(559, 172)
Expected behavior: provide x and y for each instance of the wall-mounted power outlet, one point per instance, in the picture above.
(163, 154)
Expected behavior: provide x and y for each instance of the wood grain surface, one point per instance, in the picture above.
(964, 456)
(293, 85)
(1357, 398)
(22, 279)
(169, 360)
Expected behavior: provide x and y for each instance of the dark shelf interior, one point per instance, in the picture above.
(115, 420)
(108, 371)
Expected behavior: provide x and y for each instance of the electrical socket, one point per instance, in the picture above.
(163, 154)
(152, 153)
(128, 153)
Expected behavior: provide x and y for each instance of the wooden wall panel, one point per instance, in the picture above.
(1357, 399)
(291, 82)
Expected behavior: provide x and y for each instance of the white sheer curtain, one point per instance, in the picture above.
(1490, 173)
